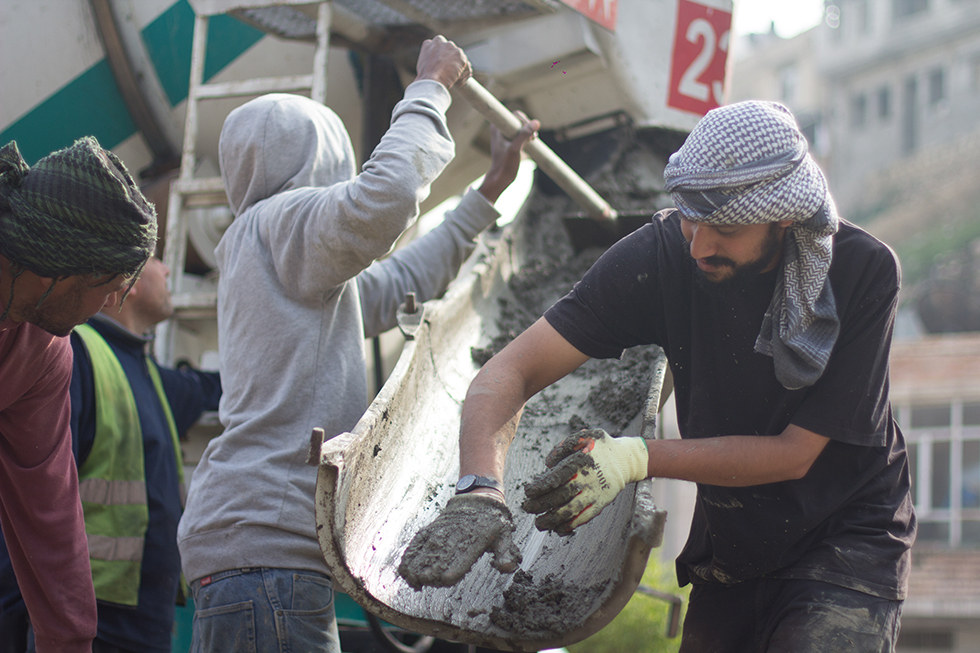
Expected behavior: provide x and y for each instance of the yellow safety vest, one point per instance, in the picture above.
(112, 480)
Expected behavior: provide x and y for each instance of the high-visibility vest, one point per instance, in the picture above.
(112, 480)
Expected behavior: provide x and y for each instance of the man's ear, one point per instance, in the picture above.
(785, 223)
(133, 292)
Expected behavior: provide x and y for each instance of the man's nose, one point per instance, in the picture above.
(702, 244)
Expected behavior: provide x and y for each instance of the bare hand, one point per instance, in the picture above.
(505, 158)
(443, 61)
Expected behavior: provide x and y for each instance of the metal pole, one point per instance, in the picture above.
(509, 124)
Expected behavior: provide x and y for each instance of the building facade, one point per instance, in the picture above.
(900, 77)
(935, 390)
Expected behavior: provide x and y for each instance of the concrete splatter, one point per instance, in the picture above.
(546, 606)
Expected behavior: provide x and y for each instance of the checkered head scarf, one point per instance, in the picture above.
(76, 211)
(747, 163)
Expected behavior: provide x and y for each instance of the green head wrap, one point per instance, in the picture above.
(76, 211)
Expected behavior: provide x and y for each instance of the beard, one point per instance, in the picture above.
(742, 274)
(50, 321)
(58, 315)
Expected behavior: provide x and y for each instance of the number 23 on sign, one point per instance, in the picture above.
(701, 42)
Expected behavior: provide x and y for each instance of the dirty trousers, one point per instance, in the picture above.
(771, 615)
(262, 609)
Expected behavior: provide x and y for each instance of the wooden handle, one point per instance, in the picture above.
(509, 124)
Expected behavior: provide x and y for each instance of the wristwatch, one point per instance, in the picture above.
(472, 481)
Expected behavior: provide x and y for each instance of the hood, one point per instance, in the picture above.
(280, 142)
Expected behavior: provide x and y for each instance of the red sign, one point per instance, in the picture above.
(600, 11)
(697, 76)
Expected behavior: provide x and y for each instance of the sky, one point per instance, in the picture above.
(791, 16)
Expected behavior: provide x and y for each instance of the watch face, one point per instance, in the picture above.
(472, 481)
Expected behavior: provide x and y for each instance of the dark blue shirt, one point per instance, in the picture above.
(149, 625)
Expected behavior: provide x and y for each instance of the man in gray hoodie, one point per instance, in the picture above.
(300, 288)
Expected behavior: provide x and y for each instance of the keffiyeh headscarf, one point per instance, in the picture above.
(747, 163)
(76, 211)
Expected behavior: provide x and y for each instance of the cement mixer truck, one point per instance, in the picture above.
(616, 84)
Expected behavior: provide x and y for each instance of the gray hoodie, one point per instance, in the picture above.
(300, 288)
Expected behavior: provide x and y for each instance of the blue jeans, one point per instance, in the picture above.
(264, 610)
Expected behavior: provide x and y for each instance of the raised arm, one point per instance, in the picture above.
(442, 61)
(427, 265)
(505, 158)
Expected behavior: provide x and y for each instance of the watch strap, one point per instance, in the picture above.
(471, 482)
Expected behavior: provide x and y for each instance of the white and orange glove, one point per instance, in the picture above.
(586, 472)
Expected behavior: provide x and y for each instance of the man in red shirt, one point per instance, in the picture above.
(74, 230)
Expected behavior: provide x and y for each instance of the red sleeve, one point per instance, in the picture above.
(40, 511)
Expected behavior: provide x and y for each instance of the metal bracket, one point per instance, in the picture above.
(410, 316)
(316, 445)
(674, 618)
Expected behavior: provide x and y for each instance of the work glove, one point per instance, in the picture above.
(586, 472)
(470, 525)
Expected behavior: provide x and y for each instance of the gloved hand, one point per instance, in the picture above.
(471, 524)
(586, 472)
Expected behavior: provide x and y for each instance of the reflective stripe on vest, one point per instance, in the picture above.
(111, 493)
(115, 548)
(112, 481)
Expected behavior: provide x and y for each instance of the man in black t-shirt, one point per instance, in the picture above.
(776, 318)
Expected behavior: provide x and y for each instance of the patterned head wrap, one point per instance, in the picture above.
(747, 163)
(76, 211)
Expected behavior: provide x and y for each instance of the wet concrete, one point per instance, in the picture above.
(615, 390)
(470, 525)
(631, 181)
(606, 394)
(543, 600)
(532, 608)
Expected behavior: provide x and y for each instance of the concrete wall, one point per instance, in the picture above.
(927, 65)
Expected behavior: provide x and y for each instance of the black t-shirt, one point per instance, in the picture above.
(849, 521)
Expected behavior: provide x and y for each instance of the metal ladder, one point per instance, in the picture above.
(190, 192)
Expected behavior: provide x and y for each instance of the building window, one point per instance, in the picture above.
(937, 86)
(884, 103)
(910, 115)
(975, 73)
(859, 110)
(906, 8)
(944, 456)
